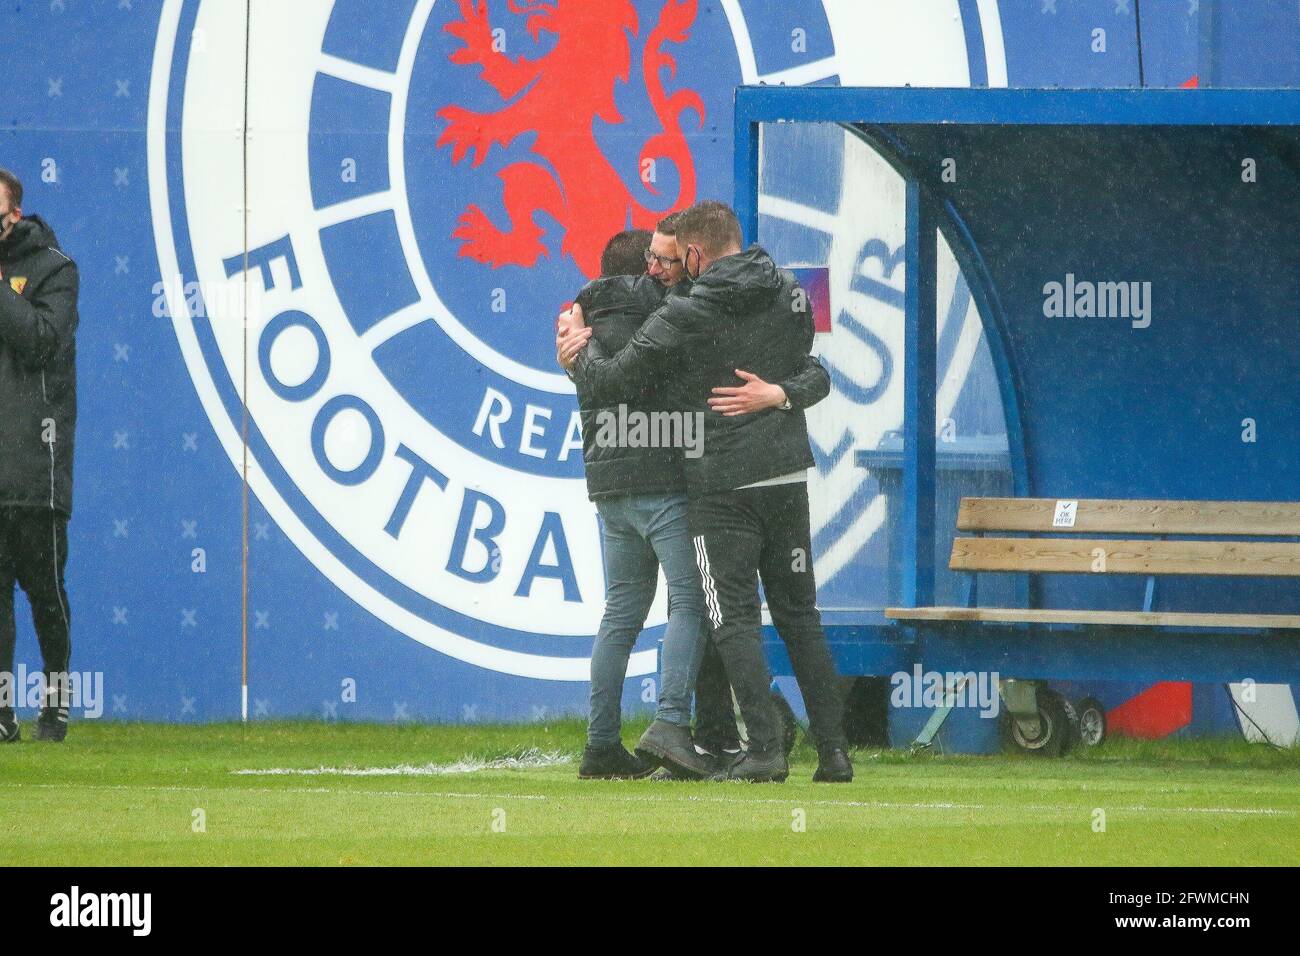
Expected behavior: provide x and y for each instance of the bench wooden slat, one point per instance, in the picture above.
(1134, 618)
(1101, 516)
(1076, 556)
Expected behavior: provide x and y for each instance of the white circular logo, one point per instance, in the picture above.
(413, 199)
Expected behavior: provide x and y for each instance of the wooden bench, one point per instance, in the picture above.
(1174, 543)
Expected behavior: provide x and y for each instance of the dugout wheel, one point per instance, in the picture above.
(789, 726)
(1092, 722)
(1057, 732)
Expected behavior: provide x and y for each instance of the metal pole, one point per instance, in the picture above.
(919, 393)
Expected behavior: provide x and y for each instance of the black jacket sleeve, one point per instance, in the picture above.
(808, 386)
(651, 356)
(38, 328)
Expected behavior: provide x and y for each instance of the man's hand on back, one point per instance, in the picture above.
(571, 335)
(755, 395)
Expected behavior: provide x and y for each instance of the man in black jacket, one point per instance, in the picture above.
(640, 492)
(38, 415)
(715, 734)
(634, 452)
(748, 490)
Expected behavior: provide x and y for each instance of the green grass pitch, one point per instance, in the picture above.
(132, 794)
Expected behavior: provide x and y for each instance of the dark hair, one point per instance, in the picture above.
(624, 254)
(668, 225)
(710, 224)
(15, 187)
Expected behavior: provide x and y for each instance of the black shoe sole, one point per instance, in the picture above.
(819, 778)
(774, 778)
(664, 758)
(18, 735)
(665, 775)
(649, 758)
(50, 736)
(777, 777)
(617, 776)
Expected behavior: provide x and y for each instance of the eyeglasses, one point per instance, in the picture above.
(664, 261)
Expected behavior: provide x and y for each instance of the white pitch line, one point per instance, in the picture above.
(792, 801)
(345, 791)
(530, 760)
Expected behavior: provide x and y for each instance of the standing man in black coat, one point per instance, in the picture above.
(715, 734)
(748, 492)
(639, 489)
(38, 416)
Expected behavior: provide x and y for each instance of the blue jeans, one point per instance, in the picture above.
(643, 533)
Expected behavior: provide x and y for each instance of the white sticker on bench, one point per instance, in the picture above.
(1065, 514)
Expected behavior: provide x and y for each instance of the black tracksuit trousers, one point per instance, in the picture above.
(715, 717)
(753, 534)
(33, 553)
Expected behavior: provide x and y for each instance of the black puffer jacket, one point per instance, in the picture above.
(742, 313)
(38, 376)
(615, 307)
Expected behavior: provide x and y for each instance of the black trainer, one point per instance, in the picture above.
(758, 767)
(834, 767)
(715, 746)
(668, 745)
(721, 757)
(611, 763)
(10, 731)
(52, 724)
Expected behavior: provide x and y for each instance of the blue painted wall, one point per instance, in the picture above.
(154, 482)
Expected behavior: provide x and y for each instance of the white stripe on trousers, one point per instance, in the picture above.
(58, 591)
(710, 589)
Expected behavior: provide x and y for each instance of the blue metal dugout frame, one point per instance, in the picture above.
(861, 641)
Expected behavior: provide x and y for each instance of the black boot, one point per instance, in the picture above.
(756, 767)
(665, 744)
(720, 755)
(52, 724)
(611, 763)
(834, 767)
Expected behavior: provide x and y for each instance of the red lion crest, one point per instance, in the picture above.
(558, 96)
